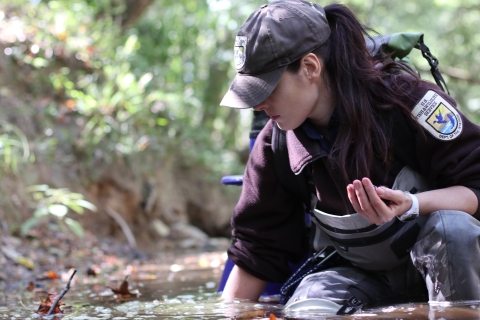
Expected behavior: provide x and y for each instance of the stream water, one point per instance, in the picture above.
(184, 287)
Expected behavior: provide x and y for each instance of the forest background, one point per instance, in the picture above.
(110, 121)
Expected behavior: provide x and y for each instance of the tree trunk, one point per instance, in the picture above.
(133, 11)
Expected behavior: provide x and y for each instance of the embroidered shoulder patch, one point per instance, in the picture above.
(438, 116)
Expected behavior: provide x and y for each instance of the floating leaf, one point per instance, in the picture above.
(45, 306)
(123, 291)
(49, 275)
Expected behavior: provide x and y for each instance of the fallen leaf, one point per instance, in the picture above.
(252, 314)
(11, 253)
(123, 291)
(47, 304)
(36, 287)
(93, 271)
(49, 275)
(26, 262)
(271, 317)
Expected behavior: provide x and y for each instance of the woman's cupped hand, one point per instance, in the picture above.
(377, 204)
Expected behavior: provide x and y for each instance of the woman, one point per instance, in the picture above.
(347, 119)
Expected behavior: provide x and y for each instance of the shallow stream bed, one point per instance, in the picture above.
(184, 287)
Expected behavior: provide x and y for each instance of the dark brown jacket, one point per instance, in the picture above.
(268, 222)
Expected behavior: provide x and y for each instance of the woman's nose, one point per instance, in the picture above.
(260, 107)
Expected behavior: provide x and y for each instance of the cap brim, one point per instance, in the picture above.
(247, 91)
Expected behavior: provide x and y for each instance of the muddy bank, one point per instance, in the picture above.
(130, 224)
(171, 202)
(147, 203)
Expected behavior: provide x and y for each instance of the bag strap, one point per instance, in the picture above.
(399, 45)
(433, 62)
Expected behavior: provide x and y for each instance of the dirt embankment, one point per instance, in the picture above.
(136, 217)
(169, 209)
(149, 202)
(144, 199)
(171, 203)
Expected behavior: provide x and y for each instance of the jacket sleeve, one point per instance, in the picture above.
(268, 222)
(447, 142)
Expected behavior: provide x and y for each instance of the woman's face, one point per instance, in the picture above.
(296, 98)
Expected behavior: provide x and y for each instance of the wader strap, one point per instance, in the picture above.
(327, 258)
(350, 306)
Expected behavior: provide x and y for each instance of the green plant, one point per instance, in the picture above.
(14, 147)
(56, 203)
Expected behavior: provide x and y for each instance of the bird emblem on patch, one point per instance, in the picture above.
(438, 116)
(443, 120)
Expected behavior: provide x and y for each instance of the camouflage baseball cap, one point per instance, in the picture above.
(275, 35)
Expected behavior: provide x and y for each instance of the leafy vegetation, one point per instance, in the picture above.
(56, 203)
(449, 32)
(14, 148)
(155, 86)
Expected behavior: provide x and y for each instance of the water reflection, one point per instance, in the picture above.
(185, 288)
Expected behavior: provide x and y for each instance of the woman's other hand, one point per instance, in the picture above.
(242, 285)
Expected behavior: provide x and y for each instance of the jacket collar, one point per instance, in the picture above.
(302, 150)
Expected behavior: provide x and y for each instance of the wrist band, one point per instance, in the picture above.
(413, 212)
(414, 202)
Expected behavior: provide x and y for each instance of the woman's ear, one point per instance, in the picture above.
(312, 66)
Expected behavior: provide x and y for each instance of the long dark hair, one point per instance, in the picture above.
(364, 92)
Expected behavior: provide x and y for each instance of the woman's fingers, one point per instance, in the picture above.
(362, 196)
(357, 196)
(378, 203)
(365, 200)
(376, 207)
(361, 202)
(352, 196)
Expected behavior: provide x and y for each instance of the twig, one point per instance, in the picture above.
(123, 225)
(64, 291)
(21, 302)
